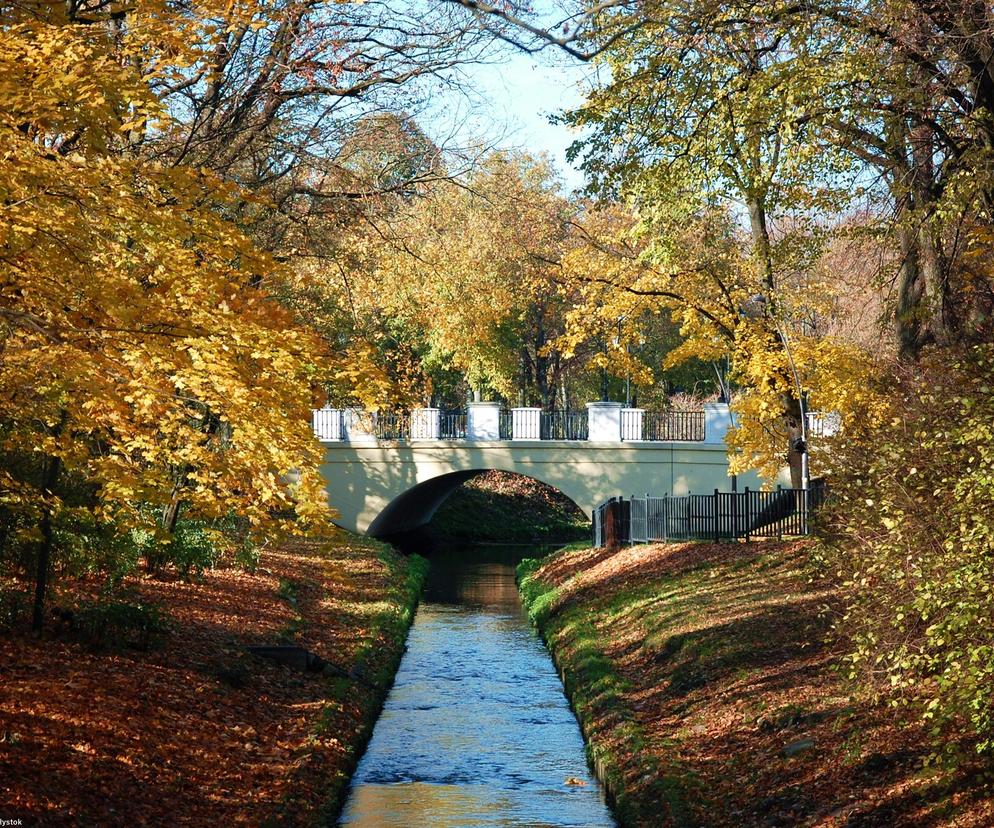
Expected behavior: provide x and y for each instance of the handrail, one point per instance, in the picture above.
(333, 424)
(719, 516)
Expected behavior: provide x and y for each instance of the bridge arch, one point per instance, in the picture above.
(416, 506)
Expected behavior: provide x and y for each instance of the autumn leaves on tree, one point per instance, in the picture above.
(157, 162)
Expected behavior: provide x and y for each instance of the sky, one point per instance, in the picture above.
(508, 102)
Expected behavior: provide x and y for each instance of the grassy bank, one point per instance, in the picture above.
(708, 694)
(500, 507)
(196, 730)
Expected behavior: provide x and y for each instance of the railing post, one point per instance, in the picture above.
(327, 424)
(483, 421)
(748, 509)
(717, 526)
(604, 422)
(734, 503)
(717, 422)
(426, 423)
(526, 423)
(779, 519)
(631, 423)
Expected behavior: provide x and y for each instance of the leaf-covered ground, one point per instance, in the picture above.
(196, 731)
(499, 506)
(704, 683)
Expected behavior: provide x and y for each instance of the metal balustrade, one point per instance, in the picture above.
(672, 426)
(718, 516)
(563, 425)
(505, 425)
(392, 425)
(452, 425)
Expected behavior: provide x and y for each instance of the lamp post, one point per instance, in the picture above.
(756, 308)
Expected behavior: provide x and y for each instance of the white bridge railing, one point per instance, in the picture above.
(601, 422)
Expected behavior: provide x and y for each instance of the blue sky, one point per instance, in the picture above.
(508, 102)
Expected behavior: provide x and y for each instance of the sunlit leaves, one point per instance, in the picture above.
(129, 307)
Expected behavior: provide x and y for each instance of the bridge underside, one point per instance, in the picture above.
(417, 506)
(386, 488)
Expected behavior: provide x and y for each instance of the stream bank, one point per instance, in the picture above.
(709, 694)
(196, 730)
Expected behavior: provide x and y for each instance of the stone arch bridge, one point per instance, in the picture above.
(389, 474)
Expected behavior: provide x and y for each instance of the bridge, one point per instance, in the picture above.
(388, 473)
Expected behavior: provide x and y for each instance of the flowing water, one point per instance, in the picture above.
(476, 730)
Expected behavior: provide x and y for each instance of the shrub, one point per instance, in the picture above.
(14, 605)
(115, 623)
(88, 546)
(191, 548)
(911, 533)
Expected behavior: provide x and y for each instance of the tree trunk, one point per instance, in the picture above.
(793, 414)
(795, 435)
(940, 312)
(170, 512)
(50, 476)
(761, 240)
(908, 322)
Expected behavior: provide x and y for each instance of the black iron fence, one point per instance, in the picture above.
(661, 426)
(452, 425)
(719, 516)
(563, 425)
(505, 425)
(392, 425)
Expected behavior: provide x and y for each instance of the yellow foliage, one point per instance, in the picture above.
(470, 261)
(700, 273)
(135, 342)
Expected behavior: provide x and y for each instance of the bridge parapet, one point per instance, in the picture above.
(602, 422)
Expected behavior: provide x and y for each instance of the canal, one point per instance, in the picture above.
(476, 730)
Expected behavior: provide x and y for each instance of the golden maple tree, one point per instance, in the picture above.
(140, 353)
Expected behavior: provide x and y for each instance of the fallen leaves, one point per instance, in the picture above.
(705, 668)
(196, 731)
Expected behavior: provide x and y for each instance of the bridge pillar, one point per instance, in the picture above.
(717, 422)
(483, 421)
(426, 423)
(357, 426)
(604, 422)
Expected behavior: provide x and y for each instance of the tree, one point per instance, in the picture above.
(474, 267)
(274, 95)
(698, 271)
(693, 125)
(904, 88)
(139, 352)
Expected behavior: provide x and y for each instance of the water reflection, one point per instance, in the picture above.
(476, 730)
